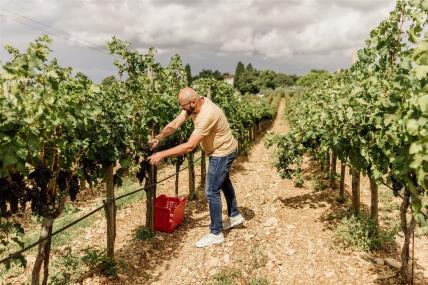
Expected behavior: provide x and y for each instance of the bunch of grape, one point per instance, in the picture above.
(144, 170)
(12, 193)
(38, 195)
(90, 170)
(68, 180)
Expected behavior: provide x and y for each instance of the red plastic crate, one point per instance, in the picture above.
(169, 213)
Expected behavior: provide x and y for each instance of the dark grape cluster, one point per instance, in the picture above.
(74, 187)
(90, 169)
(144, 163)
(66, 178)
(180, 159)
(12, 193)
(41, 176)
(143, 171)
(38, 195)
(396, 185)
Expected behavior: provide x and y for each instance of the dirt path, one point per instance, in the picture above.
(286, 239)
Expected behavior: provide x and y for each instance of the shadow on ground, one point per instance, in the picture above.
(143, 262)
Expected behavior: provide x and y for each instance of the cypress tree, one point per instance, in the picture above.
(188, 74)
(240, 69)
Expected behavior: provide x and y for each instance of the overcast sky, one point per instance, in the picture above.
(291, 36)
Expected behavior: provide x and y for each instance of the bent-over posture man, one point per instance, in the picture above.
(212, 131)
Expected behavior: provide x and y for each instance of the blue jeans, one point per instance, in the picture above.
(218, 179)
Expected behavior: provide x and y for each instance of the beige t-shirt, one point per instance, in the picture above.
(211, 123)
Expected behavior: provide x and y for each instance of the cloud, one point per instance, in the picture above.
(268, 32)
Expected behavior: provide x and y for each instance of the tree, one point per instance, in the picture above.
(240, 69)
(188, 74)
(107, 81)
(282, 79)
(250, 80)
(266, 80)
(310, 78)
(248, 83)
(208, 73)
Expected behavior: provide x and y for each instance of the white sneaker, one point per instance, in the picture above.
(233, 221)
(210, 239)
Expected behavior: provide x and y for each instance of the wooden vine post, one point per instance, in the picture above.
(191, 166)
(374, 194)
(333, 170)
(327, 165)
(150, 189)
(408, 230)
(151, 181)
(355, 191)
(342, 181)
(110, 209)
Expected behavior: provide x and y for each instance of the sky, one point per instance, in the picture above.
(290, 36)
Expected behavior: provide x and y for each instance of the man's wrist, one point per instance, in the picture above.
(161, 154)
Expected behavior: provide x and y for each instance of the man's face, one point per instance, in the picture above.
(189, 107)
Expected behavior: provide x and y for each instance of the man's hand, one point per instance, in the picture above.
(181, 149)
(155, 158)
(154, 143)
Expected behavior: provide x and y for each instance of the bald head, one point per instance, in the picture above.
(187, 94)
(189, 100)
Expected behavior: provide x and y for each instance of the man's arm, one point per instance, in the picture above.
(169, 129)
(181, 149)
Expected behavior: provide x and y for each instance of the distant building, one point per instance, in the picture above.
(229, 79)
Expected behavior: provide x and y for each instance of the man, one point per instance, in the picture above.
(212, 131)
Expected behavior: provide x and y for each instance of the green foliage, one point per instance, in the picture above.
(240, 69)
(70, 209)
(247, 83)
(233, 276)
(43, 110)
(68, 268)
(252, 81)
(299, 180)
(188, 74)
(318, 183)
(361, 233)
(227, 276)
(208, 73)
(259, 259)
(108, 80)
(144, 233)
(270, 80)
(310, 78)
(12, 234)
(97, 260)
(259, 281)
